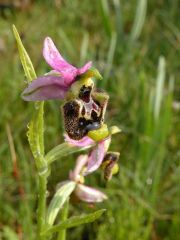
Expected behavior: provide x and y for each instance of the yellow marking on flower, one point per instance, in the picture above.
(99, 134)
(115, 169)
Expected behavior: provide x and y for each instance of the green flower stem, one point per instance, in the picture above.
(41, 211)
(63, 217)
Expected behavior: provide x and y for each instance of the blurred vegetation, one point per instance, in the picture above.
(136, 48)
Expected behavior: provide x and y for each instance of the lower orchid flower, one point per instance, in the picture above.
(97, 154)
(87, 164)
(83, 192)
(100, 149)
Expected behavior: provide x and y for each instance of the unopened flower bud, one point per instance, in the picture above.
(110, 165)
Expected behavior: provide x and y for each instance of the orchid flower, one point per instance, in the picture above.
(99, 150)
(83, 192)
(56, 83)
(84, 108)
(87, 164)
(97, 154)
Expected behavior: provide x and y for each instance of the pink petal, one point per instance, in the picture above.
(84, 69)
(97, 155)
(88, 194)
(80, 163)
(44, 88)
(57, 62)
(84, 142)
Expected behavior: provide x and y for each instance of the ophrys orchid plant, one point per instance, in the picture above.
(83, 109)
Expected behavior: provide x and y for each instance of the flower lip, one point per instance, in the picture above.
(80, 117)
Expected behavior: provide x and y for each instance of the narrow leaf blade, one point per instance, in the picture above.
(62, 150)
(139, 20)
(159, 86)
(35, 134)
(36, 126)
(105, 14)
(25, 59)
(75, 221)
(58, 200)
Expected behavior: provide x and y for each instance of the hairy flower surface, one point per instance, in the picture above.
(83, 115)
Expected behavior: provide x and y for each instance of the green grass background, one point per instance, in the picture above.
(136, 50)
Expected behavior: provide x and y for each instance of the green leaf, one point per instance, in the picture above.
(62, 150)
(75, 221)
(36, 126)
(25, 59)
(58, 200)
(35, 135)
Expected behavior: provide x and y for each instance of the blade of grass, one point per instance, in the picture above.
(110, 57)
(104, 12)
(138, 20)
(119, 21)
(84, 47)
(62, 150)
(159, 87)
(75, 221)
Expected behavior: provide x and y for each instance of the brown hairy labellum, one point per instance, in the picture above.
(72, 111)
(84, 113)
